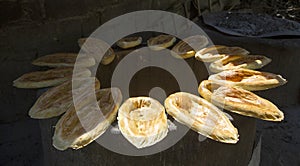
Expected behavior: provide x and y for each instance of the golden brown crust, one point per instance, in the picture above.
(216, 52)
(201, 116)
(239, 101)
(230, 62)
(94, 47)
(142, 121)
(52, 77)
(108, 57)
(129, 42)
(72, 131)
(64, 60)
(185, 48)
(161, 42)
(57, 100)
(248, 79)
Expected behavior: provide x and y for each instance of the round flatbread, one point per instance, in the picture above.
(239, 101)
(201, 116)
(142, 121)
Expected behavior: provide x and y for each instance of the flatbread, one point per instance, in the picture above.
(129, 42)
(161, 42)
(64, 60)
(186, 48)
(239, 101)
(57, 100)
(216, 52)
(96, 46)
(142, 121)
(52, 77)
(248, 79)
(201, 116)
(74, 132)
(230, 62)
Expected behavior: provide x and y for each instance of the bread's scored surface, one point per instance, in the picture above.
(239, 61)
(57, 100)
(201, 116)
(52, 77)
(161, 42)
(188, 46)
(216, 52)
(64, 60)
(239, 101)
(129, 42)
(248, 79)
(84, 123)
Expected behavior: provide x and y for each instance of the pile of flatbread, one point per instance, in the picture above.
(88, 111)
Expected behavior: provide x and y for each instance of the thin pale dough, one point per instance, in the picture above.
(161, 42)
(94, 47)
(248, 79)
(129, 42)
(188, 46)
(57, 100)
(201, 116)
(142, 121)
(216, 52)
(64, 60)
(52, 77)
(74, 132)
(239, 101)
(230, 62)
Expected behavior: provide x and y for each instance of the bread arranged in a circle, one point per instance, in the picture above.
(239, 101)
(142, 121)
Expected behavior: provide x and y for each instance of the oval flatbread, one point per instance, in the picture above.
(142, 121)
(129, 42)
(188, 46)
(108, 57)
(201, 116)
(64, 60)
(161, 42)
(240, 101)
(239, 61)
(57, 100)
(74, 132)
(52, 77)
(248, 79)
(216, 52)
(94, 47)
